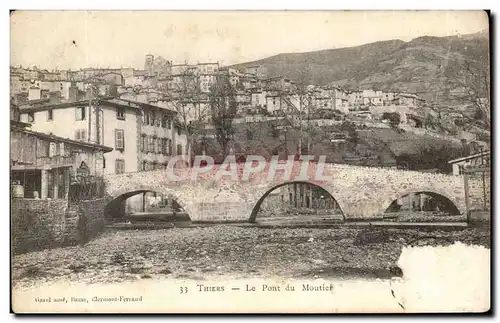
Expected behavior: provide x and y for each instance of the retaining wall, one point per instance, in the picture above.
(39, 224)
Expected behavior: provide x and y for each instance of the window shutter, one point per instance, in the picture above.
(62, 151)
(119, 139)
(52, 149)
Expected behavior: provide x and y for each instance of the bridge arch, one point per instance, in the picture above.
(455, 206)
(270, 188)
(117, 197)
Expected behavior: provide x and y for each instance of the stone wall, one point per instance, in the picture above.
(93, 211)
(218, 212)
(478, 192)
(37, 224)
(361, 192)
(40, 224)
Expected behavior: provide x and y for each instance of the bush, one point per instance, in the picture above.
(393, 117)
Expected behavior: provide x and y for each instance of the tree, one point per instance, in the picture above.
(187, 99)
(350, 128)
(223, 108)
(430, 153)
(471, 77)
(393, 117)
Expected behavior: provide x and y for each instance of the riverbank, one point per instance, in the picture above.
(221, 250)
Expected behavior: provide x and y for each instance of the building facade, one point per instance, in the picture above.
(43, 164)
(143, 136)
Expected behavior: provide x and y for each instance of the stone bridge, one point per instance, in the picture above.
(361, 192)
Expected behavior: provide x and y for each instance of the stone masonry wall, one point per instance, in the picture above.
(361, 192)
(479, 192)
(40, 224)
(93, 211)
(37, 224)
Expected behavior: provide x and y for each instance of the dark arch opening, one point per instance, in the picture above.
(421, 205)
(299, 195)
(145, 206)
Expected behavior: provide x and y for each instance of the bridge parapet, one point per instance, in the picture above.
(361, 192)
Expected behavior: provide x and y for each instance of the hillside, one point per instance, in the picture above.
(423, 65)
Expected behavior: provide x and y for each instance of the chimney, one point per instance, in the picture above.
(73, 92)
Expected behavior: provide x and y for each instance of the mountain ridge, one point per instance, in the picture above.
(422, 65)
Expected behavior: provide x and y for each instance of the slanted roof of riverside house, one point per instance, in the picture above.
(138, 105)
(108, 100)
(461, 159)
(21, 126)
(37, 101)
(28, 107)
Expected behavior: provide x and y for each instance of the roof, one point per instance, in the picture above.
(117, 101)
(113, 101)
(28, 107)
(19, 124)
(484, 153)
(15, 125)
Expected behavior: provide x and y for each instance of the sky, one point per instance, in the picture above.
(78, 39)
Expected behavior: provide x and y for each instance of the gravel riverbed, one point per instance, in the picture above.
(229, 250)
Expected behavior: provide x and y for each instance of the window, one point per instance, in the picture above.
(151, 144)
(158, 122)
(169, 147)
(169, 123)
(179, 131)
(62, 150)
(158, 145)
(53, 149)
(120, 113)
(143, 143)
(155, 145)
(119, 166)
(31, 117)
(179, 150)
(164, 120)
(80, 134)
(119, 139)
(152, 119)
(80, 113)
(103, 162)
(146, 118)
(144, 165)
(164, 147)
(50, 115)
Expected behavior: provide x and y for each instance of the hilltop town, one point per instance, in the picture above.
(287, 116)
(309, 164)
